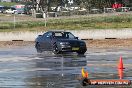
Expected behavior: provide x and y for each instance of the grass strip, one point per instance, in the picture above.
(111, 22)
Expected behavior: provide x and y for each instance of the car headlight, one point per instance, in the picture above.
(64, 43)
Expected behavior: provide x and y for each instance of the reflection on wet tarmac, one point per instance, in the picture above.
(22, 67)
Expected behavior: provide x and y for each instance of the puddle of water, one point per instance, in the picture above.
(24, 68)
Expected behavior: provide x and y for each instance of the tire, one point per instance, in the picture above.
(37, 46)
(55, 49)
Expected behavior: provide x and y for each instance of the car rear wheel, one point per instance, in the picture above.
(37, 46)
(55, 49)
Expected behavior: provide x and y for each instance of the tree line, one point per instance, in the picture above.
(45, 5)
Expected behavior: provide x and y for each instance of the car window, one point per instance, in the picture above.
(13, 9)
(66, 35)
(48, 34)
(58, 34)
(70, 36)
(6, 8)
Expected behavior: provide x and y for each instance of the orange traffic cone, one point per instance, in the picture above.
(120, 65)
(120, 73)
(120, 68)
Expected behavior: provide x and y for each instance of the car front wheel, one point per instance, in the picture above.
(37, 46)
(55, 49)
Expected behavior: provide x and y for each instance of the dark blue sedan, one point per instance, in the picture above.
(58, 42)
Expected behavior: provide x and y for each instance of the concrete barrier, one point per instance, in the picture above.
(25, 36)
(82, 34)
(104, 33)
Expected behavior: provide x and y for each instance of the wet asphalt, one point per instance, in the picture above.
(23, 67)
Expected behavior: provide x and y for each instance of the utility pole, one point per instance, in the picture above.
(14, 21)
(45, 13)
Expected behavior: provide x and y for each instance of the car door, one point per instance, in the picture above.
(46, 41)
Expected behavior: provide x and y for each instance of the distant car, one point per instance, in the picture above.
(123, 9)
(109, 10)
(1, 9)
(11, 10)
(59, 41)
(95, 11)
(19, 8)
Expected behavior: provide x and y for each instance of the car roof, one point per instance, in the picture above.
(56, 31)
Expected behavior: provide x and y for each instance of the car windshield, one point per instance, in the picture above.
(64, 35)
(13, 9)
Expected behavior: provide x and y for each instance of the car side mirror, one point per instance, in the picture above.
(76, 37)
(39, 35)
